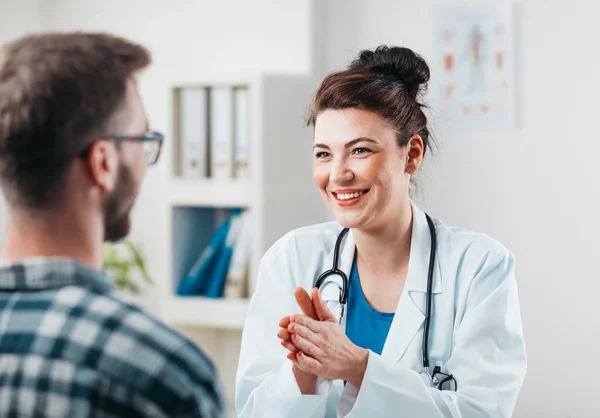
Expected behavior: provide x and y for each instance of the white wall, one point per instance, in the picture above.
(17, 18)
(534, 188)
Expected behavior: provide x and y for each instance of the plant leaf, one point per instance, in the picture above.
(139, 261)
(122, 267)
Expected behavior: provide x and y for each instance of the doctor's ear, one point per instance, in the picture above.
(414, 154)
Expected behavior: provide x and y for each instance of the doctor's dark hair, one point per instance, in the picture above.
(389, 81)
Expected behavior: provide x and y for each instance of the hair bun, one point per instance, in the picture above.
(396, 64)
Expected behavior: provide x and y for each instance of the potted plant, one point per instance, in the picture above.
(125, 264)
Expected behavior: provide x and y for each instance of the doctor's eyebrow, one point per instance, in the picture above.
(349, 143)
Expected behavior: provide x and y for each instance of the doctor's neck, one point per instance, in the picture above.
(386, 248)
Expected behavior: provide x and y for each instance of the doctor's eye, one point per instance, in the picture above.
(322, 154)
(361, 151)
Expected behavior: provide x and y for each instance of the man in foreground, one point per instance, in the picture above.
(74, 147)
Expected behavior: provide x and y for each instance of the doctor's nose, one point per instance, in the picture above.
(340, 172)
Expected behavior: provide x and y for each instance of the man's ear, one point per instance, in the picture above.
(414, 154)
(103, 164)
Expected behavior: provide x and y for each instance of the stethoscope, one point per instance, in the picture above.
(434, 378)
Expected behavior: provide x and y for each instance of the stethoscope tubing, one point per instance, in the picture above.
(334, 270)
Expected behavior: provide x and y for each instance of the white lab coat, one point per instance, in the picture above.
(475, 334)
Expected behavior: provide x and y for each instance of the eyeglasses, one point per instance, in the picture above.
(152, 142)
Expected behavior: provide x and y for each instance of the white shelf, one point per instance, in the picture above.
(206, 312)
(213, 193)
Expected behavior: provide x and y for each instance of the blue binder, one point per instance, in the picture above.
(209, 274)
(197, 280)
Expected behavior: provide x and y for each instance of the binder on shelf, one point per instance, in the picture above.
(242, 132)
(197, 280)
(209, 274)
(235, 286)
(218, 275)
(193, 132)
(221, 132)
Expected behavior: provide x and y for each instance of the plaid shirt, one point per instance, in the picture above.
(68, 348)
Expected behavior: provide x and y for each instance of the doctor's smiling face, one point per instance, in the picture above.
(370, 136)
(362, 172)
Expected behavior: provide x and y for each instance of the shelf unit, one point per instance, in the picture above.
(279, 196)
(279, 193)
(200, 193)
(205, 312)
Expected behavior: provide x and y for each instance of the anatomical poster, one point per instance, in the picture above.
(474, 66)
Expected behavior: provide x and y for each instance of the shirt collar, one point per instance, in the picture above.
(51, 273)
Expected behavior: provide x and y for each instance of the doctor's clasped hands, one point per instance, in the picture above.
(317, 343)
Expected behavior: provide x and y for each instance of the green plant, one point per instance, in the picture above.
(124, 261)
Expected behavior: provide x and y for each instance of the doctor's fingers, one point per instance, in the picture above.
(285, 321)
(308, 364)
(289, 345)
(312, 324)
(305, 303)
(307, 347)
(322, 341)
(284, 334)
(318, 333)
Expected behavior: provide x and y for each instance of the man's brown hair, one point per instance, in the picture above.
(58, 92)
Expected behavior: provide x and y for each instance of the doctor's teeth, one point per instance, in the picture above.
(346, 196)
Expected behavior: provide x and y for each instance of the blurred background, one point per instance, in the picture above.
(527, 175)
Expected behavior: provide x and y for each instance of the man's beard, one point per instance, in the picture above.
(118, 205)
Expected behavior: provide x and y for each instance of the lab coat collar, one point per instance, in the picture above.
(418, 264)
(410, 313)
(420, 250)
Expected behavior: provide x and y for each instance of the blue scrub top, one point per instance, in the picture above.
(365, 326)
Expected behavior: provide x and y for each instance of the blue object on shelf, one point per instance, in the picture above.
(221, 264)
(209, 274)
(218, 273)
(196, 282)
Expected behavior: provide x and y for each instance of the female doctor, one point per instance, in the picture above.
(386, 312)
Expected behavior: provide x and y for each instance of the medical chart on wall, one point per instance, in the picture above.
(474, 66)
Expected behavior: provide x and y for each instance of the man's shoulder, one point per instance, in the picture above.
(138, 349)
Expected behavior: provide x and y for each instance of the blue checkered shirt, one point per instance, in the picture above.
(70, 348)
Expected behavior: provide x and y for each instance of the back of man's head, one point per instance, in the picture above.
(60, 93)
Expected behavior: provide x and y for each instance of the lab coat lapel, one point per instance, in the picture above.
(410, 313)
